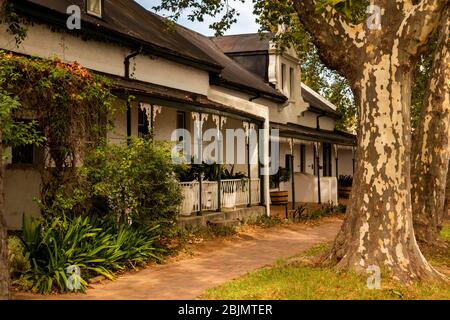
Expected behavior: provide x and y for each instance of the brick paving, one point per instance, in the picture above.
(188, 277)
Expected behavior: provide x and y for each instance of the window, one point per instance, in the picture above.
(302, 158)
(143, 124)
(287, 162)
(94, 7)
(181, 122)
(23, 155)
(291, 82)
(283, 77)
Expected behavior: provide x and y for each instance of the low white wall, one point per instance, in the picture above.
(306, 189)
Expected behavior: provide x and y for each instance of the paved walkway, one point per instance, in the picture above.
(213, 265)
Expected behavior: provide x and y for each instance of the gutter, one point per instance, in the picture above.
(318, 120)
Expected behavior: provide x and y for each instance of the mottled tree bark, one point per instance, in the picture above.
(378, 228)
(4, 270)
(430, 152)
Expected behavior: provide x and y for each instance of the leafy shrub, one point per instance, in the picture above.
(325, 211)
(210, 172)
(95, 246)
(265, 221)
(19, 264)
(282, 175)
(341, 208)
(19, 261)
(136, 180)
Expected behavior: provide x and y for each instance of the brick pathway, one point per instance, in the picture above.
(189, 277)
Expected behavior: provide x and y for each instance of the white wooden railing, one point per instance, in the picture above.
(233, 193)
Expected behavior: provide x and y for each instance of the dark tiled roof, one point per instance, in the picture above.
(243, 42)
(129, 20)
(233, 73)
(136, 25)
(292, 130)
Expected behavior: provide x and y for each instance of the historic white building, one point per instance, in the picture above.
(179, 77)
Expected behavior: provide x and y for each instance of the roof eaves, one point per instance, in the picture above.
(279, 98)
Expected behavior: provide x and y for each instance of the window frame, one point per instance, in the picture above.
(283, 77)
(184, 124)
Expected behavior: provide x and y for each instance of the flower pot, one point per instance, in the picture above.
(279, 197)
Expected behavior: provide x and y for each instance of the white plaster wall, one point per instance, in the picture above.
(106, 57)
(327, 123)
(166, 123)
(290, 60)
(345, 162)
(21, 187)
(306, 189)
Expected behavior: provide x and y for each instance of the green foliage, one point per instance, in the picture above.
(19, 260)
(421, 80)
(197, 10)
(327, 210)
(14, 22)
(266, 222)
(353, 11)
(60, 97)
(282, 175)
(16, 132)
(136, 180)
(96, 246)
(210, 172)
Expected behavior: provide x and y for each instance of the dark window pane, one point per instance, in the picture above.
(327, 169)
(143, 124)
(302, 158)
(181, 120)
(23, 154)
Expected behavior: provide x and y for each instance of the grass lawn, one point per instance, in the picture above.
(298, 278)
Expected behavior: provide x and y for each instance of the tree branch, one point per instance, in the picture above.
(420, 23)
(336, 39)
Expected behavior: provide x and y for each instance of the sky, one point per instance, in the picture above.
(246, 21)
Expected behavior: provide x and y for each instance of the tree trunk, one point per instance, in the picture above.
(378, 230)
(447, 197)
(4, 269)
(430, 152)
